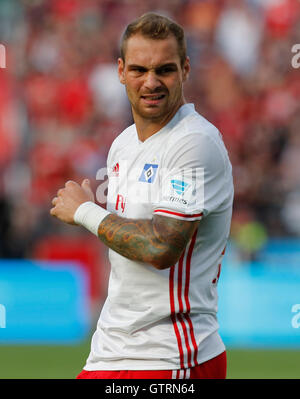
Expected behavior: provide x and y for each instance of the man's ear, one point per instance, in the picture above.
(186, 68)
(121, 67)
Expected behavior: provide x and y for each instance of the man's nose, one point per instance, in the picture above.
(152, 81)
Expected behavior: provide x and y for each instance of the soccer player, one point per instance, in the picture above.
(167, 221)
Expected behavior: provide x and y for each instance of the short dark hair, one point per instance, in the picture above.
(157, 27)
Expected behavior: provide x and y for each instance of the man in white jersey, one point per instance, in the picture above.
(167, 221)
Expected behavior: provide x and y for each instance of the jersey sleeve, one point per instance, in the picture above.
(194, 179)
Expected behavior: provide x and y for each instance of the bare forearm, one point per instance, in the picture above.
(159, 241)
(142, 240)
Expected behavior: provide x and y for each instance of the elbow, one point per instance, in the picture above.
(161, 265)
(165, 259)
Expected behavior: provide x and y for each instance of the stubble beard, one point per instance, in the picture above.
(163, 114)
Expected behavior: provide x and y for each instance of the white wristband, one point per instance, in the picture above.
(90, 215)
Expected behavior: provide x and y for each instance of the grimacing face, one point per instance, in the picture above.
(153, 76)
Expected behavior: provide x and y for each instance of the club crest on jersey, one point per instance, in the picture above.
(179, 186)
(149, 172)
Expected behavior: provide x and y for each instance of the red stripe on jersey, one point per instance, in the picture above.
(178, 317)
(187, 329)
(173, 315)
(186, 339)
(183, 326)
(179, 282)
(219, 272)
(186, 297)
(178, 214)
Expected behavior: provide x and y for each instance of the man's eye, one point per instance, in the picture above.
(166, 70)
(139, 70)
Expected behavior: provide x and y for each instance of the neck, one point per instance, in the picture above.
(147, 127)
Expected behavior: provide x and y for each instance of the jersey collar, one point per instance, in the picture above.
(182, 112)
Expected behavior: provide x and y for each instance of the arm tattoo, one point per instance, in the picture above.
(159, 241)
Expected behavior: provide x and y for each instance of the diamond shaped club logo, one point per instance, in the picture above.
(149, 172)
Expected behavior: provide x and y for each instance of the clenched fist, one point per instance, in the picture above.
(69, 198)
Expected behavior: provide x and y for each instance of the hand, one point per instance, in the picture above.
(69, 198)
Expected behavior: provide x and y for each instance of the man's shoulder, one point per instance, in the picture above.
(195, 122)
(125, 136)
(195, 137)
(195, 127)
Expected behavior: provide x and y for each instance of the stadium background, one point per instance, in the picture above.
(61, 105)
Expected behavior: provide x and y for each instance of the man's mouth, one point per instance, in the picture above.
(153, 98)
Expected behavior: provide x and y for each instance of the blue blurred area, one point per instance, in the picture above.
(48, 302)
(45, 302)
(256, 298)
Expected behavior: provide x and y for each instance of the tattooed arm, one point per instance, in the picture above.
(159, 241)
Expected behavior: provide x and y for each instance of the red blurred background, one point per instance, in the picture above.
(61, 106)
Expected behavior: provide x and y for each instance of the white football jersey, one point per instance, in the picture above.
(166, 319)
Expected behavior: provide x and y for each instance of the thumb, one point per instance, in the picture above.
(86, 185)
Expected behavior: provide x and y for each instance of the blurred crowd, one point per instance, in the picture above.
(61, 105)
